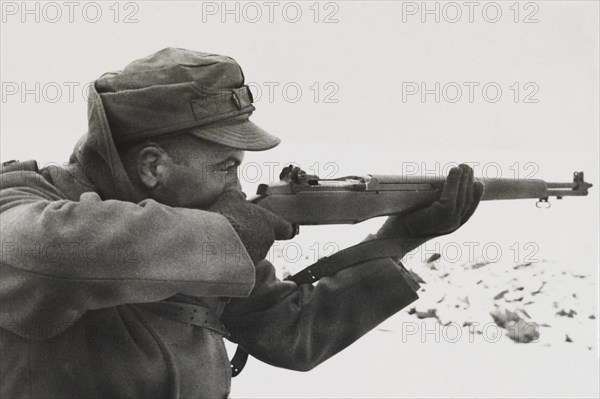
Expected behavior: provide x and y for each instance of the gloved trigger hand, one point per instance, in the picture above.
(256, 227)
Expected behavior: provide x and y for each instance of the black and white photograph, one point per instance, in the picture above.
(299, 199)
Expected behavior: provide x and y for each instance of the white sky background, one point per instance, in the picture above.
(367, 57)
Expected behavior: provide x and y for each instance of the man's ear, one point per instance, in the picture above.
(151, 162)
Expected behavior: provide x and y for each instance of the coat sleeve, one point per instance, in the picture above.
(299, 327)
(61, 258)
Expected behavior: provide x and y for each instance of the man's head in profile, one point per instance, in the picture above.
(179, 121)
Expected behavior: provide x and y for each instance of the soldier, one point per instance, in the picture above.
(123, 270)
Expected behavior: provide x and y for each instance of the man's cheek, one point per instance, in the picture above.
(233, 178)
(212, 190)
(223, 180)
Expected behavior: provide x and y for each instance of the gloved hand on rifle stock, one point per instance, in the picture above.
(459, 199)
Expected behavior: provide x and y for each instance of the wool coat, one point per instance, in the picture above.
(104, 294)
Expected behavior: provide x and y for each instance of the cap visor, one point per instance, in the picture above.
(244, 135)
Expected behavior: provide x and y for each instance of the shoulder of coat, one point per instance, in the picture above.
(14, 166)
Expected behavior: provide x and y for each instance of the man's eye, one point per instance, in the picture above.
(227, 165)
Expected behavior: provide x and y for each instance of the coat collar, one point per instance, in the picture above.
(69, 179)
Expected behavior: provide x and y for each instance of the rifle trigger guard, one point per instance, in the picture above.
(543, 203)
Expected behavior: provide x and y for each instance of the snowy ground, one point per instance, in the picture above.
(381, 365)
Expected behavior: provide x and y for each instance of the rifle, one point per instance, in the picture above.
(304, 199)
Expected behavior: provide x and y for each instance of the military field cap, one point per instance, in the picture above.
(177, 89)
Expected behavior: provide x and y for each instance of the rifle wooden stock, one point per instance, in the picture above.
(308, 200)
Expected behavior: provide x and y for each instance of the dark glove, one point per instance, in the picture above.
(256, 227)
(459, 199)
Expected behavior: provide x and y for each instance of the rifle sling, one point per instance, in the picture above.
(328, 266)
(367, 250)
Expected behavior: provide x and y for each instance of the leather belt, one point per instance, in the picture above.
(187, 313)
